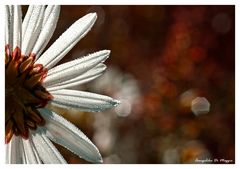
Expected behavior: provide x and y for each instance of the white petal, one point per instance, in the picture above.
(50, 9)
(67, 40)
(30, 152)
(84, 78)
(33, 28)
(26, 19)
(22, 152)
(9, 26)
(66, 134)
(7, 150)
(83, 101)
(75, 68)
(46, 150)
(13, 154)
(48, 26)
(17, 26)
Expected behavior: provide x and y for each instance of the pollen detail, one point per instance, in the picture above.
(24, 94)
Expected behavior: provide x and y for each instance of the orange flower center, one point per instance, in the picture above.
(24, 94)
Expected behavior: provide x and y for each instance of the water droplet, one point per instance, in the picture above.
(116, 103)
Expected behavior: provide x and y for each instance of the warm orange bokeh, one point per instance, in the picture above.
(162, 57)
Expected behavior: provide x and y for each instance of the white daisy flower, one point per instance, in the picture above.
(32, 82)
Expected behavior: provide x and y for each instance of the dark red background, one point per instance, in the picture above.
(168, 50)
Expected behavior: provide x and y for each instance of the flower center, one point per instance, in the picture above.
(24, 94)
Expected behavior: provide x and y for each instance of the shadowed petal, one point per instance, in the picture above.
(66, 134)
(46, 150)
(30, 152)
(75, 68)
(84, 78)
(13, 151)
(22, 152)
(67, 40)
(83, 101)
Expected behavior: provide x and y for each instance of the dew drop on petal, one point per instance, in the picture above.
(200, 105)
(116, 103)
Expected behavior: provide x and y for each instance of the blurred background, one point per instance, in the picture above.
(162, 59)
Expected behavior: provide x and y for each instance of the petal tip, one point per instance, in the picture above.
(100, 161)
(107, 51)
(92, 16)
(116, 103)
